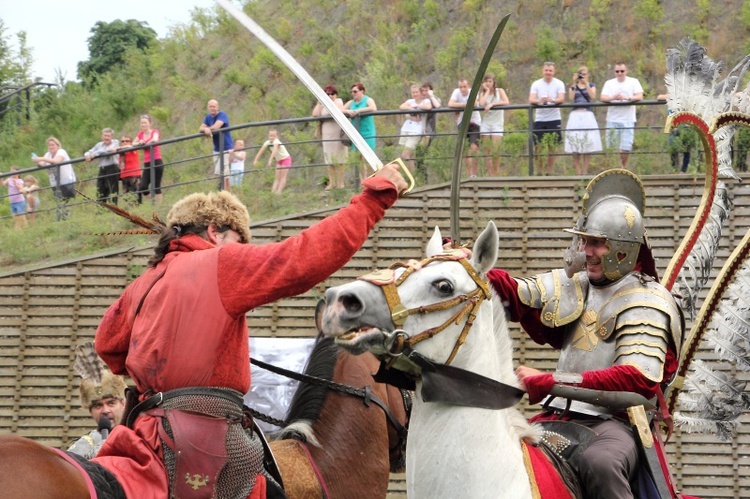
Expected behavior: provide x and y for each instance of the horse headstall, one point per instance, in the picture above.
(388, 281)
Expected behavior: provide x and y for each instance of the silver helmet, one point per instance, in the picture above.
(613, 210)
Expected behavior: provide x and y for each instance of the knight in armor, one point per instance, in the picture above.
(616, 327)
(179, 331)
(104, 399)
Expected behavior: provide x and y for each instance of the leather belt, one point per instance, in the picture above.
(161, 397)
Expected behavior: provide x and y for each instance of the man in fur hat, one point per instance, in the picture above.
(180, 332)
(105, 402)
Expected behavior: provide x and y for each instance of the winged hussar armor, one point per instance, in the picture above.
(627, 322)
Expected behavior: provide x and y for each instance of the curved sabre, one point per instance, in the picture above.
(367, 153)
(463, 128)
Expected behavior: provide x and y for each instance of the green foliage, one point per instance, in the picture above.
(109, 44)
(547, 44)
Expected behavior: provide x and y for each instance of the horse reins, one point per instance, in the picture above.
(389, 283)
(365, 394)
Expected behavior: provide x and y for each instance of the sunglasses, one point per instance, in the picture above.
(125, 141)
(329, 94)
(619, 70)
(355, 91)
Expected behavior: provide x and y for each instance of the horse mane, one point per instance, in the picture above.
(309, 398)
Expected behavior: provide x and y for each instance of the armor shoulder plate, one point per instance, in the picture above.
(645, 318)
(560, 298)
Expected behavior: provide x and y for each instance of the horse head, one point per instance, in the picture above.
(426, 306)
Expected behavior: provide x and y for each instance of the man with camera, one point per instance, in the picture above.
(621, 119)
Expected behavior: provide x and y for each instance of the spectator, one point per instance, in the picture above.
(582, 131)
(681, 140)
(430, 126)
(413, 127)
(492, 98)
(130, 170)
(547, 91)
(361, 103)
(109, 166)
(459, 100)
(621, 119)
(282, 157)
(102, 394)
(335, 152)
(31, 192)
(14, 183)
(237, 163)
(148, 135)
(216, 120)
(62, 178)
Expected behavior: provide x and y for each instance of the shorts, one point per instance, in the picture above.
(485, 129)
(409, 140)
(284, 163)
(473, 134)
(217, 163)
(18, 208)
(545, 128)
(620, 135)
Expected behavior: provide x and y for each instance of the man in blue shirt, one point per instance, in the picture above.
(214, 120)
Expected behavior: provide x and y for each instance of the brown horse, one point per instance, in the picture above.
(350, 446)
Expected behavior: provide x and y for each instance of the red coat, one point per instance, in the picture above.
(191, 328)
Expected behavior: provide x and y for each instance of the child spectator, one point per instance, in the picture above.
(237, 165)
(413, 127)
(15, 196)
(31, 192)
(282, 157)
(130, 169)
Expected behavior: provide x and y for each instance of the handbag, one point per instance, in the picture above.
(345, 139)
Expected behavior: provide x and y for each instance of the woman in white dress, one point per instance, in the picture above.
(492, 98)
(335, 153)
(582, 135)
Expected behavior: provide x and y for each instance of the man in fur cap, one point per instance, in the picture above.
(105, 401)
(179, 331)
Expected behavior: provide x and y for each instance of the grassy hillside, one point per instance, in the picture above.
(385, 44)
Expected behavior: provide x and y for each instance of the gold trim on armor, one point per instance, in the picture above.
(655, 379)
(639, 323)
(638, 418)
(648, 352)
(662, 347)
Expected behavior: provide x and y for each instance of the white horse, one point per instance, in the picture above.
(452, 451)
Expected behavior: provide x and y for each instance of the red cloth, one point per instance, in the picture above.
(191, 328)
(130, 165)
(544, 478)
(616, 378)
(147, 151)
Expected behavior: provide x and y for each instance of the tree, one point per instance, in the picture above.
(108, 44)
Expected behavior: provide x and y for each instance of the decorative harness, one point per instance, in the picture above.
(400, 341)
(442, 382)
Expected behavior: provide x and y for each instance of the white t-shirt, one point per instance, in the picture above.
(458, 97)
(553, 90)
(67, 175)
(629, 87)
(414, 124)
(281, 152)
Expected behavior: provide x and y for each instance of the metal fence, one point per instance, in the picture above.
(432, 164)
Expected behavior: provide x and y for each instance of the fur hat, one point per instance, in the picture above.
(222, 209)
(112, 386)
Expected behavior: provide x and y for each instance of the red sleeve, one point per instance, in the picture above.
(612, 379)
(250, 276)
(506, 288)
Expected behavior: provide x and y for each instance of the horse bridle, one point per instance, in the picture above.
(399, 341)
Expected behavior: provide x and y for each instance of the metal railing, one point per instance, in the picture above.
(518, 138)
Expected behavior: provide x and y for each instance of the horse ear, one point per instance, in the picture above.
(435, 246)
(486, 248)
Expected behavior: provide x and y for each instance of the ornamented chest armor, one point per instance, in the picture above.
(628, 322)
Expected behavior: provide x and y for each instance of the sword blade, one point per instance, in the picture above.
(463, 128)
(364, 148)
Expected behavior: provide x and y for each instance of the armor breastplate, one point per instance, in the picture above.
(628, 322)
